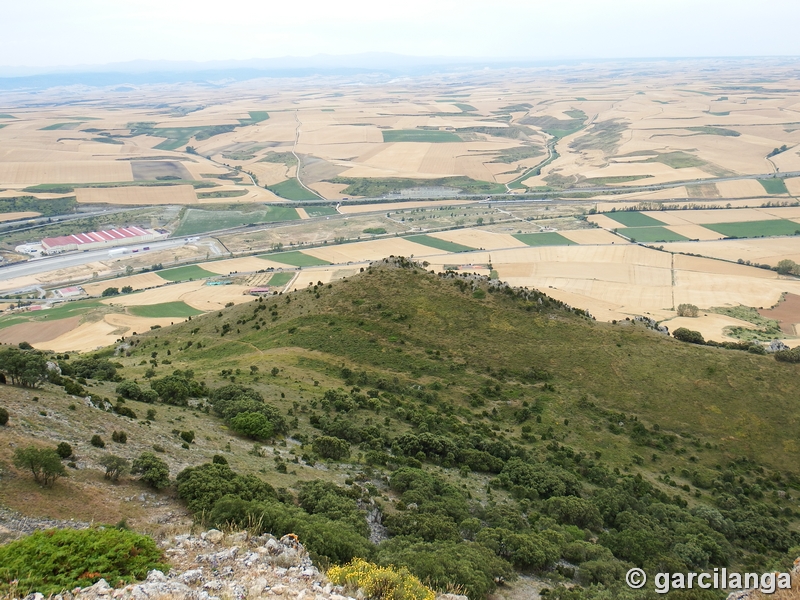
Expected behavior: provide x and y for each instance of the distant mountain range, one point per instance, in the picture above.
(142, 72)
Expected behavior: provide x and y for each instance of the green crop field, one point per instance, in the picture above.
(465, 107)
(256, 116)
(292, 190)
(165, 309)
(372, 187)
(55, 126)
(185, 273)
(706, 130)
(651, 234)
(178, 136)
(320, 211)
(419, 135)
(633, 219)
(7, 116)
(614, 180)
(749, 229)
(281, 279)
(60, 311)
(774, 186)
(548, 238)
(439, 244)
(222, 194)
(200, 221)
(295, 258)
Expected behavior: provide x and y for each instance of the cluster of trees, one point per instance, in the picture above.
(246, 413)
(176, 389)
(26, 368)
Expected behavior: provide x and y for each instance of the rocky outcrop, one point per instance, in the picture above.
(217, 566)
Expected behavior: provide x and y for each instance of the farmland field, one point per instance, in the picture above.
(750, 229)
(651, 234)
(548, 238)
(320, 211)
(419, 135)
(165, 309)
(185, 273)
(295, 258)
(633, 219)
(291, 190)
(439, 244)
(281, 279)
(774, 186)
(200, 221)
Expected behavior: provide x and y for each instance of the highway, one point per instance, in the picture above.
(74, 259)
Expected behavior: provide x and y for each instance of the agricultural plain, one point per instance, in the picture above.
(306, 183)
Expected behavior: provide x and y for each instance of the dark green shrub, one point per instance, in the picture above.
(187, 436)
(253, 425)
(124, 411)
(64, 450)
(687, 335)
(446, 564)
(789, 356)
(3, 416)
(331, 447)
(97, 441)
(200, 487)
(154, 471)
(120, 437)
(55, 560)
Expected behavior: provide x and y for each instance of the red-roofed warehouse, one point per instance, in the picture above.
(99, 239)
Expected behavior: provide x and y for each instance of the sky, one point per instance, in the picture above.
(47, 33)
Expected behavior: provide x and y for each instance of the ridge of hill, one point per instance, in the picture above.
(443, 422)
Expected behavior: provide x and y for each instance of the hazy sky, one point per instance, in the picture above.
(71, 32)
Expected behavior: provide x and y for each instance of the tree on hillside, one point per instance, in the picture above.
(114, 466)
(24, 367)
(331, 447)
(253, 425)
(152, 469)
(45, 464)
(3, 416)
(688, 310)
(111, 291)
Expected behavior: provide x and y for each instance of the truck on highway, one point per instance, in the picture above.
(118, 251)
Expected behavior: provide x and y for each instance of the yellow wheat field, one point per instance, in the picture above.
(138, 195)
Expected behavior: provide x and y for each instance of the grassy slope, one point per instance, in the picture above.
(738, 400)
(722, 405)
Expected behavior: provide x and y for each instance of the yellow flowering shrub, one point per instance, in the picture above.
(380, 583)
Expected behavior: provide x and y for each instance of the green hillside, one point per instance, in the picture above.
(498, 431)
